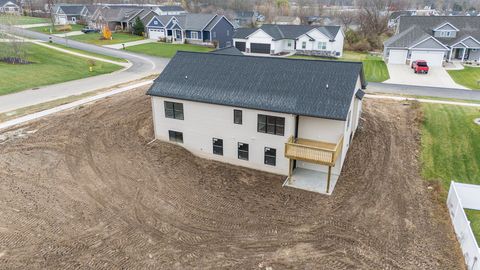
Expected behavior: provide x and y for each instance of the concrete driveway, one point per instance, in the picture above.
(436, 77)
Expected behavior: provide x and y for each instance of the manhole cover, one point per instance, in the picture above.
(477, 121)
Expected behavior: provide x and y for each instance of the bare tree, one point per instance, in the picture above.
(346, 18)
(373, 17)
(13, 48)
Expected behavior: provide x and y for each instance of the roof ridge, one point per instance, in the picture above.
(278, 58)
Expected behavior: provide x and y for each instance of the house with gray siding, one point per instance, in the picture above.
(436, 39)
(10, 7)
(202, 29)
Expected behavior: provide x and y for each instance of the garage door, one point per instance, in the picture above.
(259, 48)
(433, 58)
(155, 33)
(397, 57)
(240, 46)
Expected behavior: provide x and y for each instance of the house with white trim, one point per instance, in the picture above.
(195, 28)
(283, 39)
(10, 7)
(436, 39)
(70, 14)
(290, 117)
(170, 10)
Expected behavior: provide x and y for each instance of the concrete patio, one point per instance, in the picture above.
(311, 180)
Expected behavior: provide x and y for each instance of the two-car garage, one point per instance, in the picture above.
(434, 58)
(254, 47)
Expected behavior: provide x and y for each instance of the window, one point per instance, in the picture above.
(243, 151)
(173, 110)
(304, 45)
(270, 156)
(271, 124)
(289, 43)
(218, 146)
(175, 136)
(194, 35)
(322, 45)
(237, 117)
(228, 33)
(214, 35)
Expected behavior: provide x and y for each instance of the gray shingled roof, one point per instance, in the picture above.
(72, 9)
(407, 38)
(191, 21)
(288, 31)
(3, 2)
(171, 8)
(424, 25)
(228, 50)
(304, 87)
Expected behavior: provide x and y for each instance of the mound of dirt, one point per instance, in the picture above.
(87, 190)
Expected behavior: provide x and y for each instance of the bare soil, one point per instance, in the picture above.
(85, 189)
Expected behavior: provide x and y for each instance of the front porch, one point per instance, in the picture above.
(316, 153)
(464, 55)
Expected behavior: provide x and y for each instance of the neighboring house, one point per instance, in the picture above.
(435, 39)
(202, 29)
(394, 17)
(250, 111)
(118, 18)
(70, 14)
(170, 10)
(228, 50)
(300, 39)
(10, 7)
(287, 20)
(245, 18)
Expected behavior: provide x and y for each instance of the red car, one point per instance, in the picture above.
(420, 66)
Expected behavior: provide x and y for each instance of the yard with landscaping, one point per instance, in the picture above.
(374, 67)
(57, 29)
(89, 53)
(166, 50)
(21, 20)
(47, 66)
(451, 148)
(468, 77)
(117, 38)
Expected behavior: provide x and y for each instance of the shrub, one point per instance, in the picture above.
(138, 27)
(63, 28)
(361, 46)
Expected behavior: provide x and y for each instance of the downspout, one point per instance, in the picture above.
(297, 120)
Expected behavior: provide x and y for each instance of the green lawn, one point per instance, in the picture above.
(94, 38)
(46, 29)
(166, 50)
(451, 147)
(468, 77)
(474, 217)
(90, 53)
(374, 67)
(17, 20)
(48, 67)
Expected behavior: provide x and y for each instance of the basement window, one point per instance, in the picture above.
(218, 146)
(270, 156)
(243, 151)
(175, 136)
(271, 124)
(174, 110)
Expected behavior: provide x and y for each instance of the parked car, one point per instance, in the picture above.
(87, 30)
(420, 66)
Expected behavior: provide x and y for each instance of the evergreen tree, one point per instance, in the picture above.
(138, 27)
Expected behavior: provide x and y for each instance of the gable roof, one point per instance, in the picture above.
(70, 9)
(228, 50)
(411, 28)
(304, 87)
(288, 31)
(4, 2)
(191, 21)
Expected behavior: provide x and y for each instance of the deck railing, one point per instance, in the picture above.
(313, 151)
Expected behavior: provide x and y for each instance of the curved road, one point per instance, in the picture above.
(142, 66)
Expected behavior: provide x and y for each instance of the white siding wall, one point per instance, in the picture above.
(260, 37)
(337, 45)
(474, 55)
(203, 122)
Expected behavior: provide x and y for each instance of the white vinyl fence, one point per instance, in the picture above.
(467, 196)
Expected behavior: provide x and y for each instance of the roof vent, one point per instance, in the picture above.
(186, 77)
(326, 86)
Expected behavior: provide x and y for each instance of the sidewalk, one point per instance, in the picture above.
(128, 44)
(33, 25)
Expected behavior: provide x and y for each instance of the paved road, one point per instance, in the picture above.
(142, 66)
(400, 89)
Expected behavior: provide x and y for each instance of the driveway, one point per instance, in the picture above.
(436, 77)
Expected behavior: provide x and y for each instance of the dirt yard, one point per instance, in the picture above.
(84, 189)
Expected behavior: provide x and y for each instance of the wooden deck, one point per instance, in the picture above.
(318, 152)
